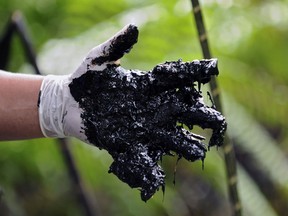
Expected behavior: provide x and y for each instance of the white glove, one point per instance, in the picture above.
(59, 113)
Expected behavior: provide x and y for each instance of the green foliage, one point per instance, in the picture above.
(248, 38)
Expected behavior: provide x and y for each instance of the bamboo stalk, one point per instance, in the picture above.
(271, 190)
(228, 149)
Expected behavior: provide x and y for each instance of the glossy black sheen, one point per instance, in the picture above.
(120, 45)
(136, 117)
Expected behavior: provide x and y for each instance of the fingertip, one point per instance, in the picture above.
(214, 65)
(214, 62)
(131, 27)
(125, 39)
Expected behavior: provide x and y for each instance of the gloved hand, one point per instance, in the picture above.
(136, 116)
(59, 113)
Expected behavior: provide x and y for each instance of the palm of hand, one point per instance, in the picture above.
(136, 117)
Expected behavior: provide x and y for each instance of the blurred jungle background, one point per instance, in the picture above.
(250, 39)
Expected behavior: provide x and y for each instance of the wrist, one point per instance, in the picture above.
(51, 105)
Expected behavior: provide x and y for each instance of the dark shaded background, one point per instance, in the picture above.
(250, 40)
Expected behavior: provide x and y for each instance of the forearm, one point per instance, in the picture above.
(18, 106)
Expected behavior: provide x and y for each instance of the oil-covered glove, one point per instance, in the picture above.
(59, 113)
(136, 116)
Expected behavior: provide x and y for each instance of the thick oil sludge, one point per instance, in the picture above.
(120, 45)
(136, 117)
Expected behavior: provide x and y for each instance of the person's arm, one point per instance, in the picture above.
(18, 106)
(136, 116)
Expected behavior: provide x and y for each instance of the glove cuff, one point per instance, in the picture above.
(51, 105)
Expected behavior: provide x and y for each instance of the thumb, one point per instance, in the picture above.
(109, 51)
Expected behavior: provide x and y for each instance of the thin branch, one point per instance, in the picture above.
(79, 188)
(229, 152)
(17, 25)
(5, 44)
